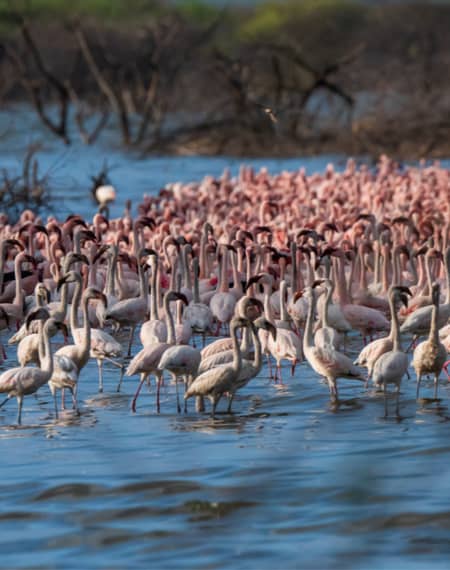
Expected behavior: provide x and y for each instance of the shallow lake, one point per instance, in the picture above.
(287, 481)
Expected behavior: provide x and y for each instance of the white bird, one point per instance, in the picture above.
(419, 322)
(147, 360)
(326, 334)
(131, 312)
(105, 194)
(372, 351)
(327, 361)
(250, 369)
(215, 382)
(393, 365)
(430, 355)
(181, 360)
(23, 381)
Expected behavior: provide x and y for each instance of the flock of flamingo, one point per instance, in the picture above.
(279, 266)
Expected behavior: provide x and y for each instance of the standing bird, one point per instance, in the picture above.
(430, 355)
(215, 382)
(147, 360)
(181, 360)
(326, 361)
(131, 312)
(23, 381)
(249, 369)
(372, 351)
(392, 365)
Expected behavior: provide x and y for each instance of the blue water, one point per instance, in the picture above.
(287, 481)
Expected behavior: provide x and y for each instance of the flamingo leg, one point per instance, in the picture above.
(74, 400)
(199, 404)
(158, 391)
(130, 340)
(63, 399)
(4, 401)
(178, 395)
(279, 373)
(436, 384)
(397, 402)
(294, 364)
(385, 401)
(269, 364)
(186, 384)
(55, 404)
(419, 378)
(19, 409)
(141, 383)
(100, 374)
(4, 352)
(230, 401)
(214, 406)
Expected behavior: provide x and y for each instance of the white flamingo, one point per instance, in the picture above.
(23, 381)
(430, 355)
(215, 382)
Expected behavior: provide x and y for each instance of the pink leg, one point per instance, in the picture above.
(158, 390)
(141, 383)
(279, 375)
(269, 364)
(219, 324)
(294, 364)
(4, 353)
(63, 399)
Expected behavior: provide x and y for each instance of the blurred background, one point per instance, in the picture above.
(250, 77)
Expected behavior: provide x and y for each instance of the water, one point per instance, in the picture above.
(286, 481)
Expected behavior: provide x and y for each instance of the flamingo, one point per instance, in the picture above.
(222, 303)
(419, 322)
(326, 334)
(79, 352)
(250, 369)
(430, 355)
(147, 360)
(391, 366)
(181, 360)
(131, 312)
(372, 351)
(327, 361)
(215, 382)
(23, 381)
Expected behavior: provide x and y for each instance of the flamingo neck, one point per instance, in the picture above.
(46, 359)
(196, 279)
(308, 338)
(434, 331)
(257, 359)
(237, 355)
(74, 324)
(154, 293)
(18, 299)
(171, 332)
(224, 273)
(395, 328)
(283, 310)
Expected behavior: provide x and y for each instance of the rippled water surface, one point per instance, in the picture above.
(286, 481)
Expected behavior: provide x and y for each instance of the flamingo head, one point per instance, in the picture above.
(42, 292)
(92, 293)
(70, 277)
(40, 314)
(263, 323)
